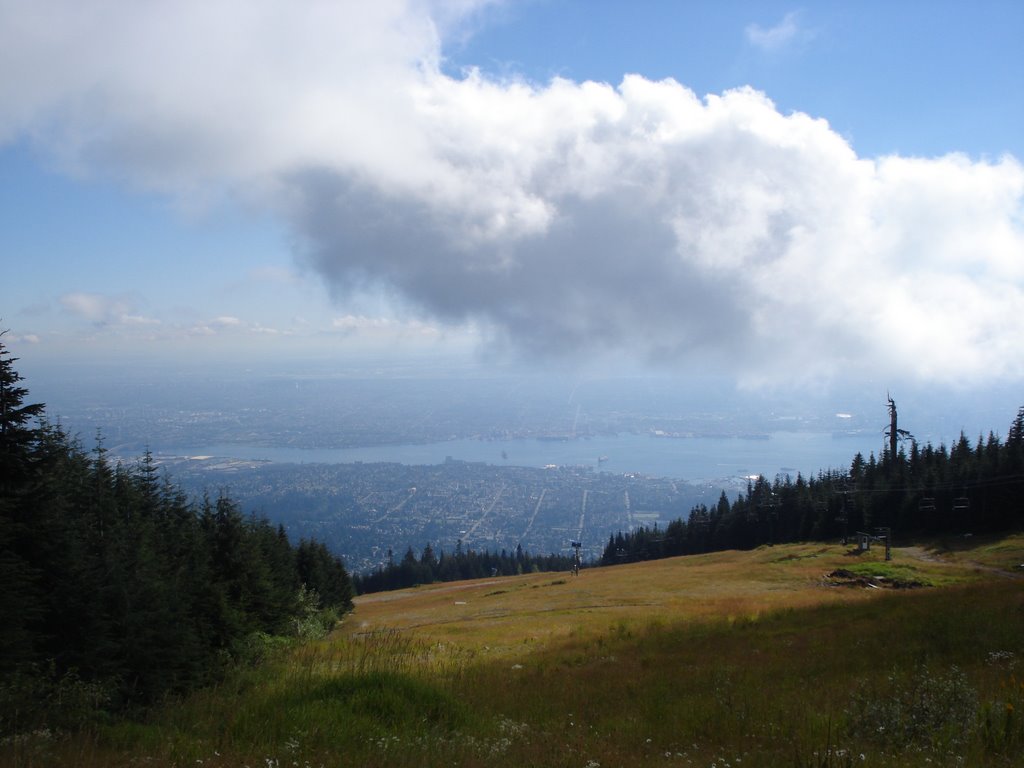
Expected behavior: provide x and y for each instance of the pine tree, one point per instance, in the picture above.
(1014, 448)
(18, 439)
(20, 595)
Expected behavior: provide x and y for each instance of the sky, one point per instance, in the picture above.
(768, 192)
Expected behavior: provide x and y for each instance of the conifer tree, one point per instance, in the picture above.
(18, 438)
(111, 578)
(20, 598)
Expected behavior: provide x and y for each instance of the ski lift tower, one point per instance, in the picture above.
(885, 534)
(576, 545)
(847, 488)
(881, 534)
(770, 506)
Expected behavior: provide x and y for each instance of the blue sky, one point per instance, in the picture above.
(769, 191)
(920, 78)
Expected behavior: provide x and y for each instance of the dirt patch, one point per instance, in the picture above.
(844, 578)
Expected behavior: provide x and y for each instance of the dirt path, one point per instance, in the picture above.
(404, 594)
(920, 553)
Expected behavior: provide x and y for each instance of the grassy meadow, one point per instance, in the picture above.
(731, 659)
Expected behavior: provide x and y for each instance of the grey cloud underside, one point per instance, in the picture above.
(564, 219)
(605, 275)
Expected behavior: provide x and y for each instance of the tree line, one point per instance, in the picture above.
(462, 564)
(916, 491)
(116, 587)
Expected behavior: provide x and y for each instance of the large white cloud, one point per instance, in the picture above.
(567, 218)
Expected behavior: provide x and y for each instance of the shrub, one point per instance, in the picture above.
(40, 697)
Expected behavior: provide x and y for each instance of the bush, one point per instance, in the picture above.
(39, 697)
(313, 621)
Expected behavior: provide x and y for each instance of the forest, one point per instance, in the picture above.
(913, 491)
(462, 564)
(117, 591)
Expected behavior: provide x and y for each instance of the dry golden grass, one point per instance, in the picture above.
(750, 659)
(516, 615)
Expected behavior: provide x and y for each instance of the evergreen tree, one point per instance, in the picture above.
(18, 438)
(19, 441)
(110, 577)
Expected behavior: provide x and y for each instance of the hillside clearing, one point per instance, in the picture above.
(734, 659)
(513, 614)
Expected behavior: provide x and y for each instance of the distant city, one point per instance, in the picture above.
(272, 443)
(371, 513)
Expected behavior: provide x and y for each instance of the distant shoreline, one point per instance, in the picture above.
(692, 459)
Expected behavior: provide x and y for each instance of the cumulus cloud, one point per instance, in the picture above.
(563, 219)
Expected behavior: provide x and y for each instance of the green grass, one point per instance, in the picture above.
(749, 659)
(900, 573)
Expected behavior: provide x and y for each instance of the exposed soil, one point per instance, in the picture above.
(844, 578)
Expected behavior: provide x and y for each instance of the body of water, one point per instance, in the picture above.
(688, 458)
